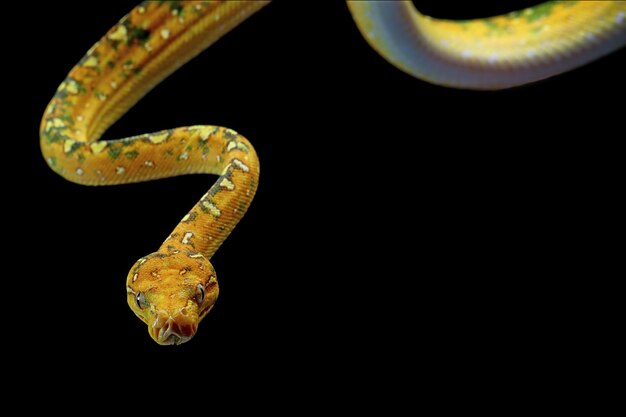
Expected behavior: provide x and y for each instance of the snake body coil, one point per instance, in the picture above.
(174, 288)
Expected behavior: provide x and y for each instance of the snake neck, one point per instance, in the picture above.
(215, 215)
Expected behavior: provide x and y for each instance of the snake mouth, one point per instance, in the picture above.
(205, 311)
(170, 332)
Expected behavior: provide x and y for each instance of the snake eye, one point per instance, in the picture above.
(200, 293)
(140, 298)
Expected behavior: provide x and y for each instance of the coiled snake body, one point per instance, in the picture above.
(174, 288)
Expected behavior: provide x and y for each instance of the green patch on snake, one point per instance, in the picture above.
(213, 191)
(55, 136)
(80, 88)
(176, 7)
(494, 28)
(491, 24)
(72, 148)
(169, 152)
(81, 158)
(114, 152)
(515, 14)
(131, 154)
(542, 10)
(66, 117)
(114, 44)
(140, 34)
(111, 63)
(70, 86)
(464, 23)
(230, 134)
(100, 95)
(136, 71)
(202, 144)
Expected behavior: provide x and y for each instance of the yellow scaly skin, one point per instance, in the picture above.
(174, 288)
(496, 52)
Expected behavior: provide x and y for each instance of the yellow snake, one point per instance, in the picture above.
(174, 288)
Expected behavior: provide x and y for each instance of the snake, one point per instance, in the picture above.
(173, 289)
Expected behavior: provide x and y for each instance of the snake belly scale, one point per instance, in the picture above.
(175, 287)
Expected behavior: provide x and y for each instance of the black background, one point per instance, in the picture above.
(398, 225)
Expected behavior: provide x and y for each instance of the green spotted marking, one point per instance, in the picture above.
(491, 24)
(515, 14)
(176, 7)
(231, 134)
(72, 148)
(114, 152)
(70, 87)
(139, 34)
(542, 10)
(495, 28)
(463, 23)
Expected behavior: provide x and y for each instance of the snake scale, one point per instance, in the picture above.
(174, 288)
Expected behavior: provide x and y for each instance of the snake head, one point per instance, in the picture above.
(172, 292)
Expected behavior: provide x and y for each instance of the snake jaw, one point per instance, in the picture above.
(173, 330)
